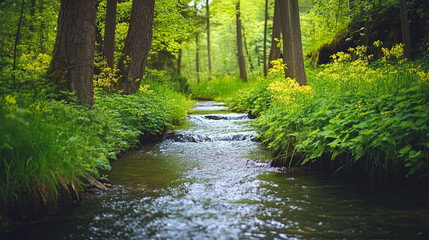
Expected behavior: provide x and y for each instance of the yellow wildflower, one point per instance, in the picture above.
(11, 104)
(145, 89)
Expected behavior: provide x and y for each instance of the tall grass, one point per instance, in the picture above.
(46, 144)
(220, 88)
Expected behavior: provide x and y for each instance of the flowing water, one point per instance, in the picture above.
(208, 180)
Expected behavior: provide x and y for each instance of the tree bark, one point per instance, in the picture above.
(133, 62)
(247, 49)
(72, 64)
(208, 40)
(297, 44)
(265, 39)
(109, 33)
(42, 26)
(197, 47)
(240, 54)
(18, 30)
(286, 23)
(32, 13)
(197, 57)
(405, 29)
(275, 50)
(179, 61)
(351, 4)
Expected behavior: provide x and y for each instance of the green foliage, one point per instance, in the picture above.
(223, 39)
(220, 88)
(255, 99)
(36, 38)
(45, 144)
(362, 117)
(107, 78)
(170, 26)
(369, 21)
(168, 79)
(323, 21)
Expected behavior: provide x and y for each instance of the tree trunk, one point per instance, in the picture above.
(405, 29)
(179, 61)
(17, 40)
(247, 50)
(197, 57)
(32, 14)
(240, 54)
(42, 26)
(265, 39)
(288, 54)
(72, 62)
(197, 47)
(137, 45)
(275, 50)
(351, 4)
(297, 44)
(109, 33)
(208, 39)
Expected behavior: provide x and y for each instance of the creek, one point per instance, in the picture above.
(210, 179)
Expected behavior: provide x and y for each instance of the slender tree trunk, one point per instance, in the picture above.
(240, 54)
(32, 13)
(208, 39)
(109, 33)
(338, 13)
(18, 30)
(42, 27)
(297, 44)
(137, 45)
(197, 47)
(275, 50)
(265, 39)
(288, 54)
(197, 57)
(72, 62)
(247, 50)
(405, 28)
(179, 61)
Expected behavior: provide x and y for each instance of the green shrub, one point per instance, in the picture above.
(362, 116)
(220, 88)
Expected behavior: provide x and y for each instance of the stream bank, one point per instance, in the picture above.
(211, 181)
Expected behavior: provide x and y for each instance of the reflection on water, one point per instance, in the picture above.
(201, 182)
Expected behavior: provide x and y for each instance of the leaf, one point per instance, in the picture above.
(363, 125)
(414, 154)
(335, 154)
(404, 150)
(314, 132)
(367, 131)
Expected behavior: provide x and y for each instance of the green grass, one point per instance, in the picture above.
(220, 88)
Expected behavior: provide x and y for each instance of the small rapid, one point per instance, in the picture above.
(210, 179)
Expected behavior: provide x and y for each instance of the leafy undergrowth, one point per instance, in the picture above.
(46, 144)
(356, 116)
